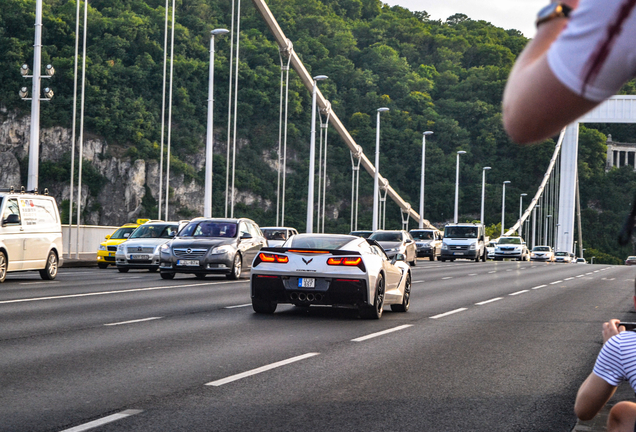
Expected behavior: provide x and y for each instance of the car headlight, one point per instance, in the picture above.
(444, 246)
(473, 246)
(120, 248)
(165, 248)
(222, 249)
(102, 247)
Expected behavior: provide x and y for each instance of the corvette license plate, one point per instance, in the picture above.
(306, 283)
(189, 263)
(138, 257)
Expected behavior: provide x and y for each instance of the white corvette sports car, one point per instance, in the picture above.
(330, 269)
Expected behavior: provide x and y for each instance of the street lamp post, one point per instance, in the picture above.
(461, 152)
(376, 187)
(545, 233)
(483, 192)
(312, 156)
(421, 225)
(534, 224)
(209, 141)
(503, 206)
(521, 212)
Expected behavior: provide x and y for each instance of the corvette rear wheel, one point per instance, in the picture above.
(375, 310)
(261, 306)
(406, 298)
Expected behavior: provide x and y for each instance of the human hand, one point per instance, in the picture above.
(572, 3)
(611, 328)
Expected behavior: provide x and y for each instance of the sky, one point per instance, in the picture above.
(507, 14)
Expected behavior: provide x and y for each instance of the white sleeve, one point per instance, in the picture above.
(596, 53)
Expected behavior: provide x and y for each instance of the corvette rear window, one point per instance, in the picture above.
(309, 242)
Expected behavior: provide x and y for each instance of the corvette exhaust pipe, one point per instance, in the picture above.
(302, 296)
(310, 297)
(294, 296)
(318, 297)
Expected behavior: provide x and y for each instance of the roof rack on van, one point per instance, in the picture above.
(10, 190)
(24, 191)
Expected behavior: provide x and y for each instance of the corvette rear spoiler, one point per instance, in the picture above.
(310, 250)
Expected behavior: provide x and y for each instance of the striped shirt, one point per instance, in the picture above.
(617, 360)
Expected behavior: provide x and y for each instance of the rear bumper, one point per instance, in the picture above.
(332, 291)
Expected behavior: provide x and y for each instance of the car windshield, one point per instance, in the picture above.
(386, 236)
(509, 240)
(275, 234)
(155, 231)
(318, 242)
(209, 229)
(541, 249)
(422, 235)
(122, 233)
(460, 232)
(561, 254)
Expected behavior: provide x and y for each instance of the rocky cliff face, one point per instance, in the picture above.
(125, 182)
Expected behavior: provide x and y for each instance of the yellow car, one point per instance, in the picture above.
(107, 249)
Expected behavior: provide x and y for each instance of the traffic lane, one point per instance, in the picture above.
(507, 366)
(28, 284)
(29, 316)
(447, 293)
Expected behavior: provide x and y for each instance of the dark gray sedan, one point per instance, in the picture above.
(212, 246)
(397, 242)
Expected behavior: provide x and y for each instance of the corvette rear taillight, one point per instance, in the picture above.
(273, 258)
(345, 261)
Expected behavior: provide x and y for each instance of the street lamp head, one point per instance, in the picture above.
(506, 182)
(219, 31)
(383, 109)
(486, 168)
(524, 194)
(24, 92)
(428, 133)
(320, 77)
(24, 70)
(50, 70)
(461, 152)
(548, 216)
(48, 93)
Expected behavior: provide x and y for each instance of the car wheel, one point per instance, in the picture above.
(261, 306)
(102, 265)
(375, 310)
(3, 266)
(237, 266)
(442, 260)
(200, 275)
(50, 271)
(167, 275)
(122, 269)
(406, 298)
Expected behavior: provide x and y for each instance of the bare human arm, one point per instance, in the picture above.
(592, 396)
(536, 105)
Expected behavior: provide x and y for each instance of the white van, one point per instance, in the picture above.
(30, 234)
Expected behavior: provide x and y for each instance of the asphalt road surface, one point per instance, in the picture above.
(485, 347)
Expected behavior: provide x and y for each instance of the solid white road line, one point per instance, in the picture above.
(518, 292)
(555, 282)
(133, 321)
(489, 301)
(372, 335)
(448, 313)
(260, 369)
(238, 306)
(540, 286)
(112, 292)
(103, 421)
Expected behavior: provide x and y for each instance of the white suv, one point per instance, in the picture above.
(511, 247)
(542, 253)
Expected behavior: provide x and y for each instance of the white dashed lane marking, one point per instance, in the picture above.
(373, 335)
(260, 370)
(100, 422)
(540, 286)
(489, 301)
(134, 321)
(449, 313)
(518, 292)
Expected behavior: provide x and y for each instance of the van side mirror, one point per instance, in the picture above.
(12, 219)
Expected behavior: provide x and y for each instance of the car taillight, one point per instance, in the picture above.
(346, 261)
(270, 258)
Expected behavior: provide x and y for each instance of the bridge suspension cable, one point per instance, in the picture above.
(334, 120)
